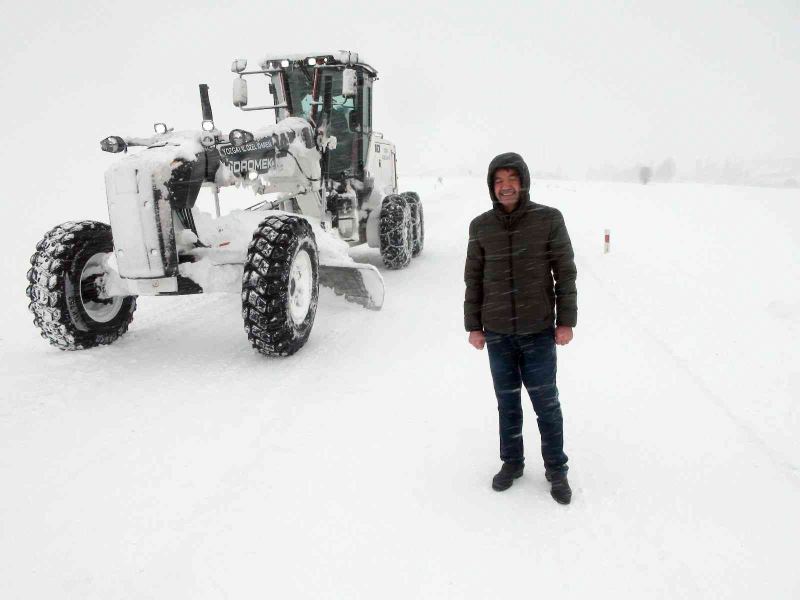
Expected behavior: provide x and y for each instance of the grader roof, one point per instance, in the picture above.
(339, 57)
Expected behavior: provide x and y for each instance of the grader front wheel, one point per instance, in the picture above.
(280, 285)
(65, 288)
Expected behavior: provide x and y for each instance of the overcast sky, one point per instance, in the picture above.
(569, 85)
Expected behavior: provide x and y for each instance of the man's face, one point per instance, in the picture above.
(507, 188)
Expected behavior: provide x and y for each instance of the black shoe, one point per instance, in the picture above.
(559, 487)
(506, 476)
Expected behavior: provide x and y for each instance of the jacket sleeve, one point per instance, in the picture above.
(562, 264)
(473, 277)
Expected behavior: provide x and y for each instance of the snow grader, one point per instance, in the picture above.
(325, 181)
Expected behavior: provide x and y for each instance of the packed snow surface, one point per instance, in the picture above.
(178, 463)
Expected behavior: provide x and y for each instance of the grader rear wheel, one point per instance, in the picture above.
(396, 232)
(418, 222)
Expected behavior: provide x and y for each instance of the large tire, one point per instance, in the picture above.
(417, 220)
(280, 285)
(396, 232)
(63, 288)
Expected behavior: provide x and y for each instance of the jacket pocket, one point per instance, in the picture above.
(533, 304)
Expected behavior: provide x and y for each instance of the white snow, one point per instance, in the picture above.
(162, 150)
(178, 463)
(234, 231)
(219, 268)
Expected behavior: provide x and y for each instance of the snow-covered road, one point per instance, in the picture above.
(177, 463)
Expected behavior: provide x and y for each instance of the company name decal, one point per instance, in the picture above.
(265, 144)
(257, 164)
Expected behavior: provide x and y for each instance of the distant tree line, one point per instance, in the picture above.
(784, 172)
(664, 172)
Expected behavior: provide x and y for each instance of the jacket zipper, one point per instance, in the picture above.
(511, 273)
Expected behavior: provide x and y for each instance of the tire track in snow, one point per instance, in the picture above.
(791, 471)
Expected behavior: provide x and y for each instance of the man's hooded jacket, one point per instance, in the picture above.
(520, 272)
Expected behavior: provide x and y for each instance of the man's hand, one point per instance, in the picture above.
(477, 339)
(563, 335)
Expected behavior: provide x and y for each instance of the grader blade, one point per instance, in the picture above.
(358, 283)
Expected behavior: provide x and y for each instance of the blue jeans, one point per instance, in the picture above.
(528, 359)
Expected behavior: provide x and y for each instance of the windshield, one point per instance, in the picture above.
(301, 84)
(301, 92)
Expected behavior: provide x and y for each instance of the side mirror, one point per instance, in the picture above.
(349, 83)
(239, 92)
(239, 65)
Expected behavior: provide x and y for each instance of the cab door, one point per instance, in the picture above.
(381, 169)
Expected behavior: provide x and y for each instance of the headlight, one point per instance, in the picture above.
(312, 61)
(239, 137)
(284, 63)
(160, 128)
(208, 125)
(113, 143)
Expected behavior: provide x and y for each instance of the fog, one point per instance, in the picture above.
(179, 463)
(571, 86)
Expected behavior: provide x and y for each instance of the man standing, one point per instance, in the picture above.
(521, 301)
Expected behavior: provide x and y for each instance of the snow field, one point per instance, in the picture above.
(179, 463)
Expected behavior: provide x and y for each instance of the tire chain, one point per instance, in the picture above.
(418, 220)
(394, 250)
(49, 265)
(265, 284)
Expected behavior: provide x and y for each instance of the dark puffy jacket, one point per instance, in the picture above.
(520, 272)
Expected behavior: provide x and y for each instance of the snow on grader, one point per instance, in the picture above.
(326, 179)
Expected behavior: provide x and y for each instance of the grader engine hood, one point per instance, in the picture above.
(142, 191)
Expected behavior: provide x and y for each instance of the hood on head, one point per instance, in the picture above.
(510, 160)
